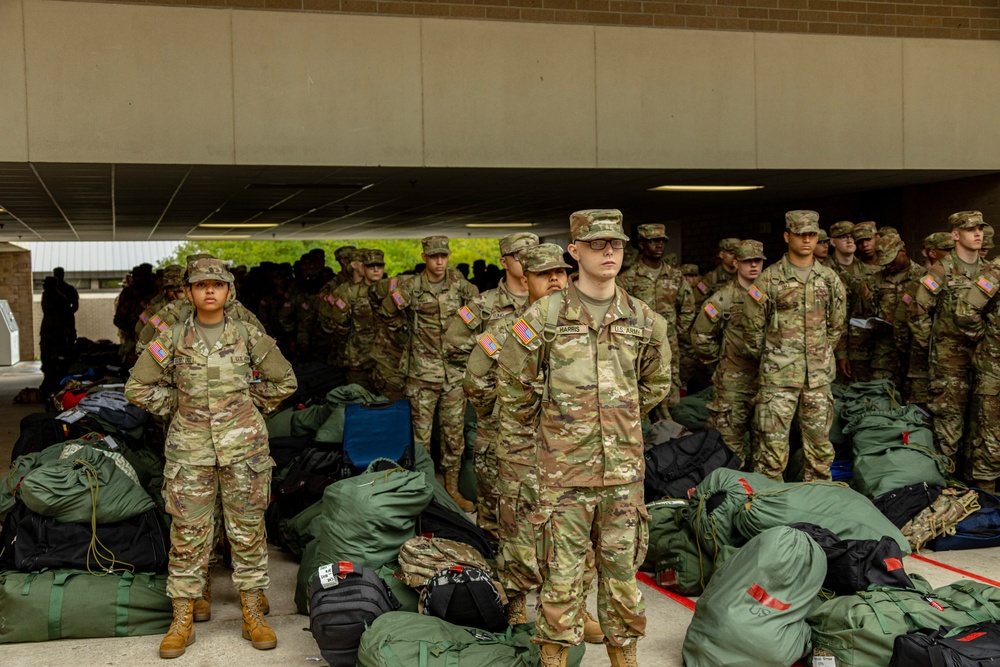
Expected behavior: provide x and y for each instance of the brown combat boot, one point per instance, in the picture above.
(451, 486)
(203, 605)
(592, 632)
(623, 656)
(181, 632)
(553, 655)
(517, 608)
(255, 628)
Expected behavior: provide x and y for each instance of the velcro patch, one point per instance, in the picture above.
(628, 331)
(711, 310)
(398, 298)
(144, 318)
(489, 344)
(755, 293)
(466, 314)
(330, 299)
(163, 327)
(392, 284)
(931, 284)
(157, 351)
(702, 287)
(907, 299)
(570, 329)
(305, 305)
(156, 321)
(985, 285)
(761, 596)
(524, 331)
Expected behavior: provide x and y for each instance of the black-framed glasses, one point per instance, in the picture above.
(601, 244)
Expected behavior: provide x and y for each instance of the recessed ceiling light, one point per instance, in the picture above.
(2, 209)
(498, 225)
(705, 188)
(239, 225)
(218, 237)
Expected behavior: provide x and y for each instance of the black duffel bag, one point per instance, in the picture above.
(969, 646)
(676, 466)
(853, 565)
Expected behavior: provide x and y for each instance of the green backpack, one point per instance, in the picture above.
(859, 630)
(674, 554)
(405, 639)
(753, 612)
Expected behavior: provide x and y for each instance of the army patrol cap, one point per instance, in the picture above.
(864, 230)
(544, 257)
(987, 237)
(516, 242)
(194, 258)
(435, 245)
(802, 222)
(749, 249)
(598, 223)
(690, 270)
(208, 269)
(887, 248)
(966, 219)
(729, 244)
(173, 276)
(939, 241)
(842, 228)
(883, 231)
(371, 257)
(823, 237)
(652, 232)
(342, 254)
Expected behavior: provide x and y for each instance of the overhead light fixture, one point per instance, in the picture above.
(705, 188)
(498, 225)
(218, 237)
(2, 209)
(239, 225)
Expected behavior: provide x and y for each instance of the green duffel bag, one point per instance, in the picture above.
(859, 630)
(87, 485)
(307, 569)
(391, 574)
(714, 503)
(692, 411)
(422, 462)
(366, 519)
(674, 554)
(63, 604)
(753, 612)
(831, 505)
(306, 422)
(863, 397)
(279, 425)
(302, 528)
(893, 449)
(20, 467)
(406, 639)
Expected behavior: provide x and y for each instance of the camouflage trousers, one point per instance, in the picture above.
(688, 362)
(776, 408)
(611, 520)
(485, 464)
(982, 461)
(389, 384)
(730, 413)
(949, 393)
(449, 402)
(191, 493)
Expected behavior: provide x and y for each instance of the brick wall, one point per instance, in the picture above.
(948, 19)
(15, 287)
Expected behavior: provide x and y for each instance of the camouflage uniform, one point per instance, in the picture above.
(665, 289)
(699, 288)
(720, 275)
(388, 373)
(179, 310)
(889, 358)
(838, 229)
(793, 329)
(217, 441)
(717, 337)
(173, 279)
(347, 314)
(932, 323)
(587, 415)
(432, 383)
(859, 278)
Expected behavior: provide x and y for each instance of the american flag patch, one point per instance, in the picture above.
(305, 305)
(985, 285)
(489, 344)
(865, 290)
(702, 287)
(398, 298)
(392, 284)
(755, 293)
(524, 331)
(930, 283)
(907, 299)
(340, 303)
(466, 314)
(330, 300)
(157, 351)
(156, 321)
(711, 310)
(144, 318)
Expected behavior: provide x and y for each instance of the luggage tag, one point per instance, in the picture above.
(327, 578)
(112, 445)
(824, 661)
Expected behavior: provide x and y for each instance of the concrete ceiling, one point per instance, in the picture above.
(138, 202)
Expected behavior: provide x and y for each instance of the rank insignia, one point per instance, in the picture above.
(466, 314)
(755, 293)
(489, 344)
(711, 310)
(985, 285)
(931, 284)
(524, 331)
(157, 351)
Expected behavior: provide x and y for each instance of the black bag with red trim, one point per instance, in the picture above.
(969, 646)
(853, 565)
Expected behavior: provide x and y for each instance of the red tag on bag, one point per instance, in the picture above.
(346, 568)
(906, 437)
(969, 638)
(761, 596)
(893, 564)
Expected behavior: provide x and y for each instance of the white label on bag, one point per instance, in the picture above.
(70, 416)
(824, 661)
(112, 445)
(327, 578)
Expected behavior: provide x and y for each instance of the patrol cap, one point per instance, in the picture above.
(883, 231)
(690, 270)
(516, 242)
(597, 223)
(670, 259)
(966, 219)
(823, 237)
(543, 257)
(208, 269)
(842, 228)
(341, 254)
(356, 255)
(373, 256)
(864, 230)
(435, 245)
(887, 248)
(802, 222)
(729, 244)
(749, 249)
(987, 236)
(201, 255)
(939, 241)
(652, 232)
(173, 276)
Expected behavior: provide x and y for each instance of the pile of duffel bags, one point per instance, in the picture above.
(83, 548)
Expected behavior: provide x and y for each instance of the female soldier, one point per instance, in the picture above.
(216, 372)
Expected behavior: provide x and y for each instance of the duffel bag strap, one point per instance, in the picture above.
(878, 614)
(912, 619)
(988, 606)
(121, 604)
(936, 655)
(56, 603)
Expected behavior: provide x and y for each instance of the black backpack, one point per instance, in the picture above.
(344, 599)
(853, 565)
(677, 466)
(901, 505)
(315, 379)
(969, 646)
(464, 596)
(439, 521)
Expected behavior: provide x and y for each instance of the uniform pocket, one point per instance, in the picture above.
(641, 535)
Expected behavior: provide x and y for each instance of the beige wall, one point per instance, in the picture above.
(94, 319)
(86, 82)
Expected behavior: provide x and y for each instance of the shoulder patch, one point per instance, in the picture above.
(156, 321)
(711, 310)
(984, 284)
(305, 305)
(524, 331)
(907, 299)
(489, 345)
(755, 293)
(340, 303)
(330, 300)
(392, 284)
(467, 315)
(144, 318)
(702, 287)
(930, 283)
(865, 290)
(398, 298)
(157, 351)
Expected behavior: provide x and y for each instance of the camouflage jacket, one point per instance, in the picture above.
(584, 386)
(213, 391)
(977, 316)
(477, 317)
(426, 308)
(480, 383)
(914, 357)
(859, 280)
(717, 338)
(347, 314)
(155, 304)
(179, 310)
(389, 344)
(932, 313)
(793, 327)
(716, 278)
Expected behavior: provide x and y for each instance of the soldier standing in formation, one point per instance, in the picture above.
(855, 353)
(726, 270)
(890, 341)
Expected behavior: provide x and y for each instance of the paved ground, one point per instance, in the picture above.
(219, 641)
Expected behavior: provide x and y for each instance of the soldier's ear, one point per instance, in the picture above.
(574, 252)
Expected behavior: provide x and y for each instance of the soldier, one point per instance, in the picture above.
(936, 247)
(582, 367)
(726, 270)
(425, 302)
(693, 277)
(218, 373)
(987, 241)
(932, 323)
(843, 248)
(484, 314)
(822, 250)
(665, 289)
(717, 337)
(854, 355)
(344, 256)
(891, 342)
(172, 289)
(792, 322)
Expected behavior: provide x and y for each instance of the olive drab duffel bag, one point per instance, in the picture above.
(715, 503)
(674, 554)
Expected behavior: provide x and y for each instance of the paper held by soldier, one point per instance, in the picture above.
(867, 323)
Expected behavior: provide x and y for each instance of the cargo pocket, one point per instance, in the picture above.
(170, 471)
(545, 552)
(641, 536)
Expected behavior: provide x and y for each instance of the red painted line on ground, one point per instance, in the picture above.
(956, 570)
(679, 599)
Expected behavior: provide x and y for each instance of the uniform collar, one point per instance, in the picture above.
(576, 310)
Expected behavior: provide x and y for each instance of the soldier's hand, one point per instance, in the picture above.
(844, 366)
